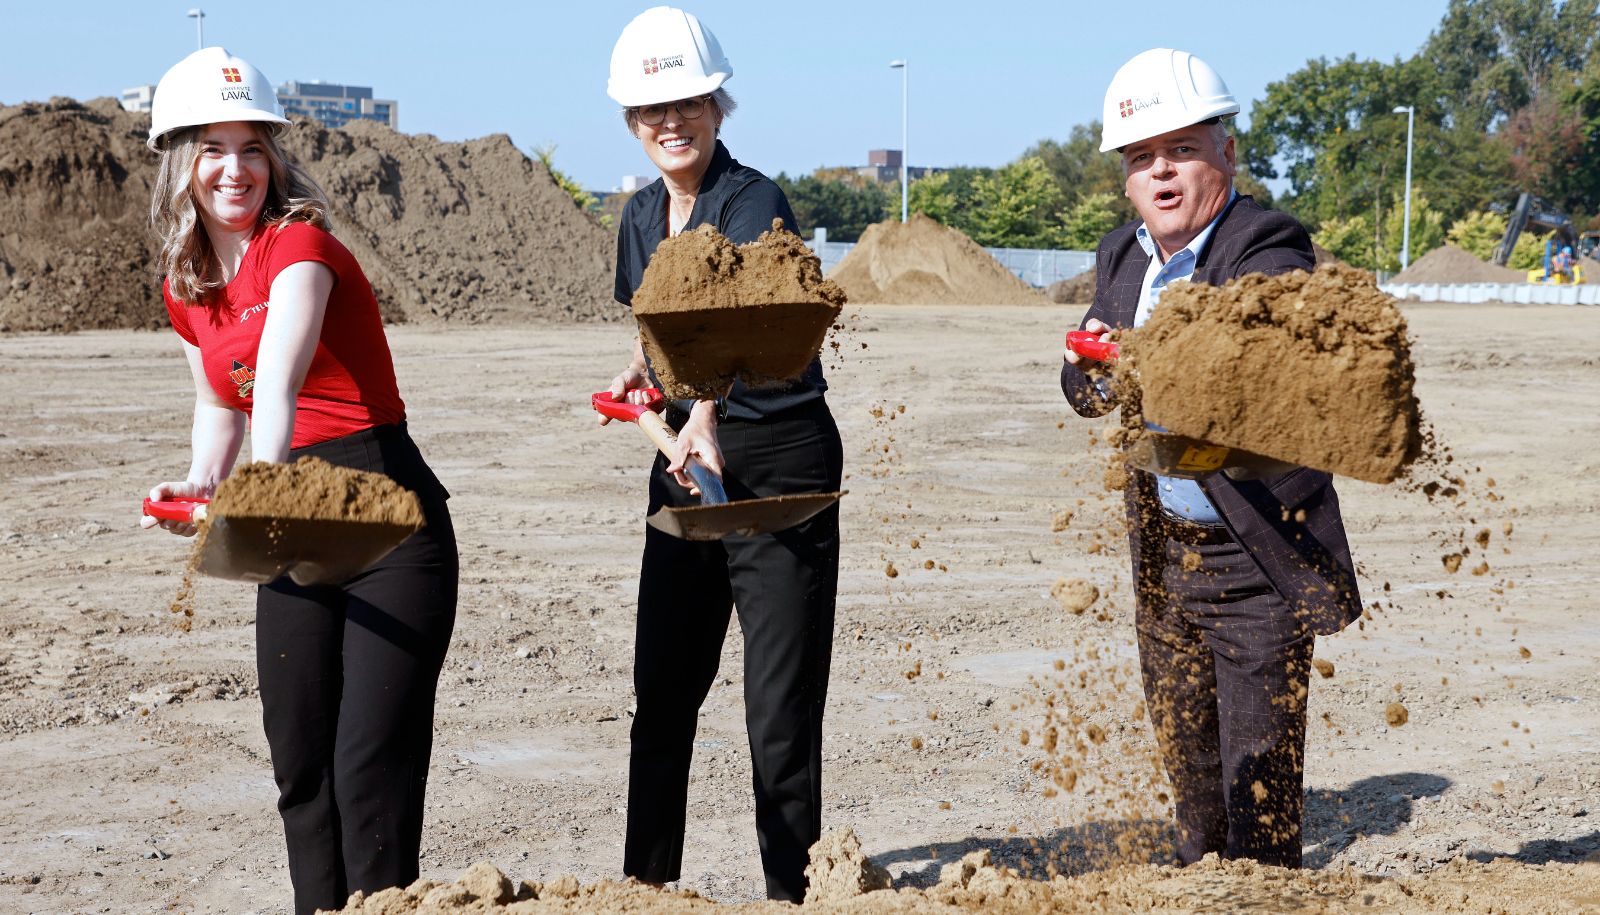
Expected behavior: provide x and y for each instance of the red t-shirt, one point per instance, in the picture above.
(350, 383)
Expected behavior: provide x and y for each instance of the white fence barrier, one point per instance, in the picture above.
(1516, 293)
(1037, 267)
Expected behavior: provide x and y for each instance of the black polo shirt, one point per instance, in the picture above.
(741, 203)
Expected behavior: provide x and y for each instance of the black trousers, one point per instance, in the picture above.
(783, 586)
(348, 674)
(1225, 664)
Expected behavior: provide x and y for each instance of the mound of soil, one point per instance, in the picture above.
(1450, 264)
(1311, 368)
(975, 884)
(1325, 257)
(711, 311)
(312, 489)
(924, 263)
(1078, 290)
(470, 231)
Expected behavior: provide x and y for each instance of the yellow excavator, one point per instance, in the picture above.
(1561, 264)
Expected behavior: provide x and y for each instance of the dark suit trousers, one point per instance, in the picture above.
(783, 586)
(1225, 665)
(348, 676)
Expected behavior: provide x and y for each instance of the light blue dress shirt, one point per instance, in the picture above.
(1183, 498)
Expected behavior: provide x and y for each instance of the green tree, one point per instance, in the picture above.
(1016, 206)
(933, 197)
(1088, 221)
(1478, 233)
(1528, 252)
(1495, 57)
(1082, 170)
(844, 207)
(1427, 231)
(585, 201)
(1350, 240)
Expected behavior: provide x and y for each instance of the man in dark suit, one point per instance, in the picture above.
(1233, 577)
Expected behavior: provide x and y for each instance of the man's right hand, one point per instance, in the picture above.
(1083, 363)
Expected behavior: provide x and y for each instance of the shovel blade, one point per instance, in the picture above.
(260, 550)
(699, 352)
(747, 517)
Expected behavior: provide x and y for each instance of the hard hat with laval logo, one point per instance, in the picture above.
(211, 86)
(663, 55)
(1161, 90)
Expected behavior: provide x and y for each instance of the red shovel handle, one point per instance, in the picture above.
(1089, 345)
(178, 509)
(627, 412)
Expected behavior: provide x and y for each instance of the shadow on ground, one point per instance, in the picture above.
(1375, 806)
(1070, 851)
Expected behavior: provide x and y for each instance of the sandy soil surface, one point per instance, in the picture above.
(137, 777)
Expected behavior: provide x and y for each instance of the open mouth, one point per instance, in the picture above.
(233, 190)
(675, 143)
(1168, 199)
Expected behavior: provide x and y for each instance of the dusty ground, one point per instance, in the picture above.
(137, 779)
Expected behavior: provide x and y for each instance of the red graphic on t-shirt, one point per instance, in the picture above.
(244, 376)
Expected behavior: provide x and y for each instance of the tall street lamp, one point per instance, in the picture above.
(1405, 234)
(199, 17)
(905, 159)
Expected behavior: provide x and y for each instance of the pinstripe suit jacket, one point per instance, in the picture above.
(1307, 561)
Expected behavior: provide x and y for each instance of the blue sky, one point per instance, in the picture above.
(987, 79)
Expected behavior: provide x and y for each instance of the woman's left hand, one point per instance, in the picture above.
(697, 439)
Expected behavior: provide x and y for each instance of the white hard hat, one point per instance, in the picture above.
(665, 54)
(211, 86)
(1161, 90)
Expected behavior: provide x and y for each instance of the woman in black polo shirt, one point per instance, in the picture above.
(667, 70)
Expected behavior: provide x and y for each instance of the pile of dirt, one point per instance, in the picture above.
(1325, 257)
(975, 884)
(312, 489)
(710, 310)
(1310, 368)
(924, 263)
(470, 231)
(1450, 264)
(1078, 290)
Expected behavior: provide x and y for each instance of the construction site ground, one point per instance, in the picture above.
(137, 778)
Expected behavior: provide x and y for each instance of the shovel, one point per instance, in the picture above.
(715, 517)
(262, 549)
(1177, 455)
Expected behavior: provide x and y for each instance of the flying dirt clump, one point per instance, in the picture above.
(1074, 594)
(711, 311)
(1309, 368)
(924, 263)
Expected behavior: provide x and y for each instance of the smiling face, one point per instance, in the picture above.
(682, 147)
(232, 174)
(1179, 182)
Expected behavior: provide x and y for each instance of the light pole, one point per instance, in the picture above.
(199, 17)
(1405, 234)
(905, 159)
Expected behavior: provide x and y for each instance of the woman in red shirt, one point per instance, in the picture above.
(283, 337)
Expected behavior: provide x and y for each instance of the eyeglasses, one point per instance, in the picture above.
(688, 109)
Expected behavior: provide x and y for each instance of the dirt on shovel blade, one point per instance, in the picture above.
(317, 522)
(1308, 368)
(711, 311)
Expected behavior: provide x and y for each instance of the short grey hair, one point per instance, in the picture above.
(722, 105)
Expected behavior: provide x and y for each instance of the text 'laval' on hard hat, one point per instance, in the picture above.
(1161, 90)
(664, 55)
(211, 86)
